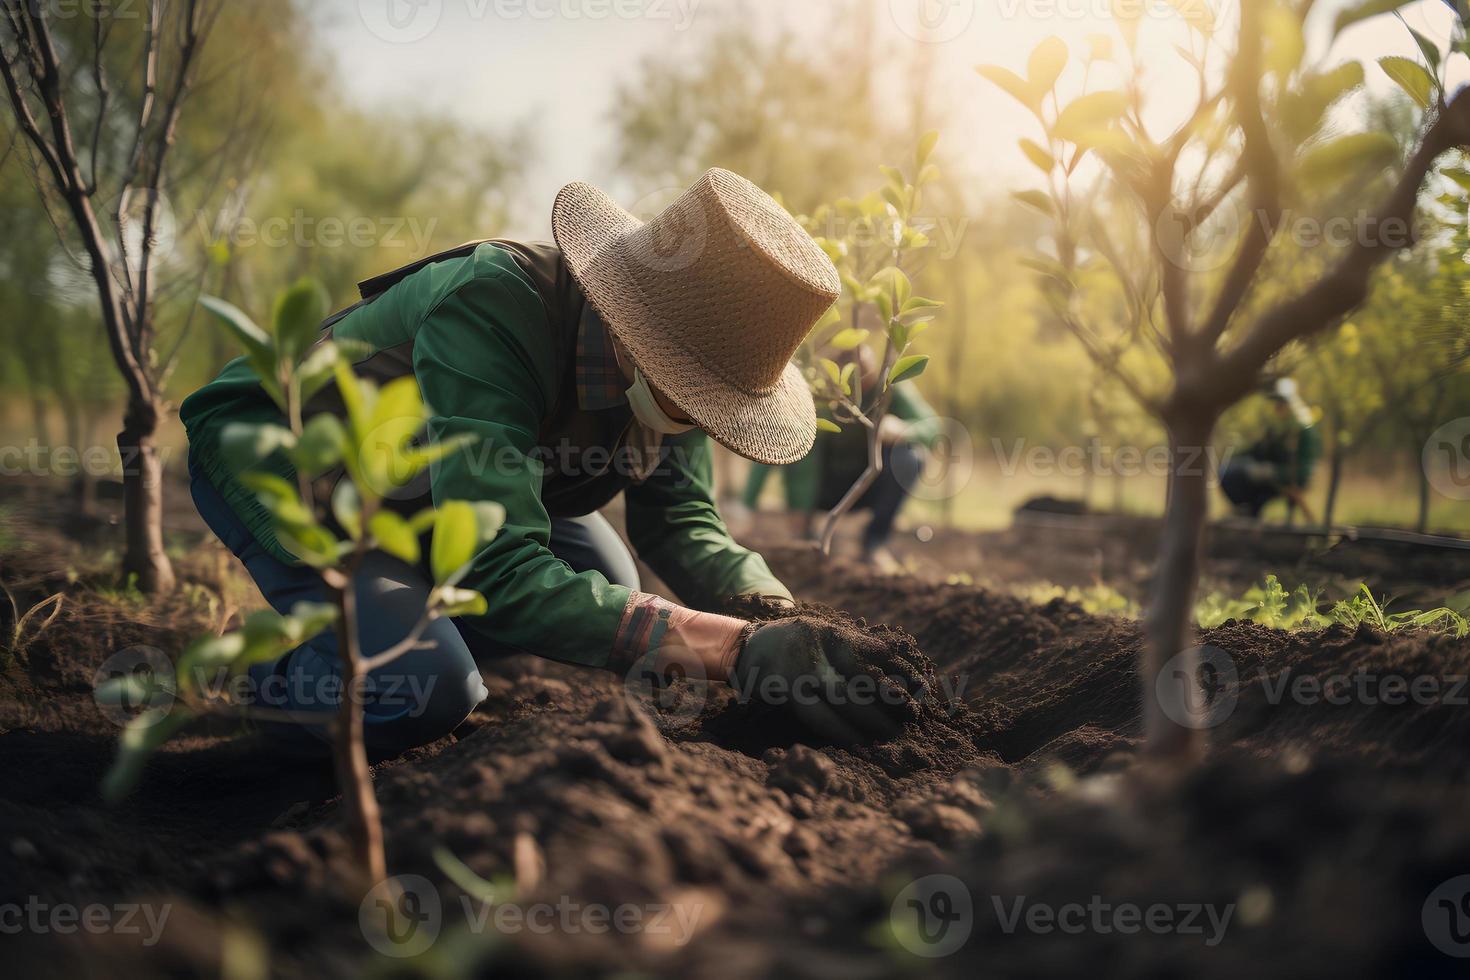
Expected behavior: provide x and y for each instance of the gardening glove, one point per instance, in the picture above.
(814, 671)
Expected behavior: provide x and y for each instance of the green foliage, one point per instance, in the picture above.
(1269, 604)
(879, 237)
(378, 447)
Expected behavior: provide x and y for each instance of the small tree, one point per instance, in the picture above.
(870, 241)
(103, 151)
(376, 446)
(1256, 136)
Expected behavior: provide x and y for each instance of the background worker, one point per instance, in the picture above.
(818, 482)
(1281, 462)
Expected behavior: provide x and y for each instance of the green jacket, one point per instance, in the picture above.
(1292, 449)
(836, 456)
(500, 341)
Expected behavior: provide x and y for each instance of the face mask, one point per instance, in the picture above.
(646, 409)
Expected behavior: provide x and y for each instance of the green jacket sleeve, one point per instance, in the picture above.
(925, 427)
(485, 350)
(674, 527)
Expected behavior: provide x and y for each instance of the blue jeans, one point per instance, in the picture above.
(419, 697)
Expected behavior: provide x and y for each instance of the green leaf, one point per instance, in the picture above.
(396, 417)
(1428, 48)
(395, 536)
(1091, 112)
(927, 143)
(892, 281)
(1356, 153)
(243, 444)
(456, 539)
(1013, 84)
(1459, 175)
(347, 507)
(260, 352)
(280, 498)
(1038, 155)
(908, 367)
(1046, 63)
(417, 458)
(423, 521)
(1362, 11)
(848, 339)
(832, 370)
(1412, 77)
(237, 322)
(1284, 42)
(142, 735)
(322, 444)
(827, 425)
(919, 303)
(453, 602)
(298, 316)
(1036, 200)
(489, 519)
(315, 371)
(312, 543)
(354, 393)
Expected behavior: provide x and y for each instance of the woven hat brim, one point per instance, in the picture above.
(777, 426)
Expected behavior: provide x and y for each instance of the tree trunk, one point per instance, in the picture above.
(143, 498)
(1334, 480)
(1170, 711)
(1421, 524)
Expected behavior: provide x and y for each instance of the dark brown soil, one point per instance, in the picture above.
(1322, 828)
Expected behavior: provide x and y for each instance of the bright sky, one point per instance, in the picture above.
(557, 62)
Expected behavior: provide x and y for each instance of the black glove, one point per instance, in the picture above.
(817, 672)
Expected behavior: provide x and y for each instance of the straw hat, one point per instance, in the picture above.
(711, 299)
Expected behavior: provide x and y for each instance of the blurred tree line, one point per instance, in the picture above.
(275, 174)
(279, 174)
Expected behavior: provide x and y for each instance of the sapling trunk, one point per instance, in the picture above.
(349, 754)
(873, 421)
(1169, 625)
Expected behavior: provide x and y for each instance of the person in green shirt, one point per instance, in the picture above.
(1281, 462)
(598, 365)
(820, 479)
